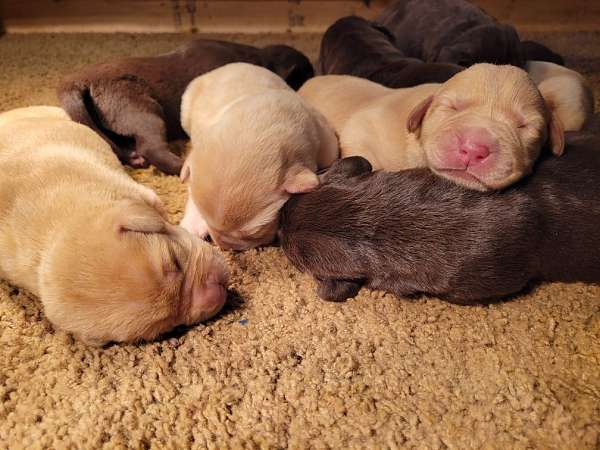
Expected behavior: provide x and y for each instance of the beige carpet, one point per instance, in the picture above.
(281, 369)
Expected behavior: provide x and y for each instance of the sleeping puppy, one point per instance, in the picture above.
(355, 46)
(91, 243)
(139, 99)
(484, 128)
(565, 91)
(411, 232)
(451, 31)
(456, 32)
(254, 143)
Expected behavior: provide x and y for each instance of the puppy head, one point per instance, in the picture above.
(245, 167)
(290, 64)
(485, 127)
(496, 44)
(132, 277)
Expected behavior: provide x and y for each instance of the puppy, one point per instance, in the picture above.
(355, 46)
(484, 128)
(456, 32)
(565, 91)
(254, 143)
(411, 232)
(91, 243)
(138, 99)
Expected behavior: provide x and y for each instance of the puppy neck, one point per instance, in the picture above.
(415, 152)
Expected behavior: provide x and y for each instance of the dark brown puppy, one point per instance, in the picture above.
(355, 46)
(140, 98)
(453, 31)
(412, 232)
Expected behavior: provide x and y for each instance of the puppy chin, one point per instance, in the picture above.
(462, 178)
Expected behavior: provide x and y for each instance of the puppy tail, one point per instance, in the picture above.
(76, 99)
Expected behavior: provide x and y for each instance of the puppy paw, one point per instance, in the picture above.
(337, 290)
(137, 161)
(199, 229)
(193, 222)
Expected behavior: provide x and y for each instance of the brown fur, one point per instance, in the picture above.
(424, 126)
(139, 99)
(76, 231)
(357, 47)
(412, 232)
(456, 32)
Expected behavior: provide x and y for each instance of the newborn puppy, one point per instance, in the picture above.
(90, 242)
(254, 142)
(355, 46)
(139, 98)
(484, 128)
(412, 232)
(451, 31)
(565, 91)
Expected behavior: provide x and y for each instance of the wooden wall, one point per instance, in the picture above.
(258, 15)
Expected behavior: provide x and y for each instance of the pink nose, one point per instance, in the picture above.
(472, 152)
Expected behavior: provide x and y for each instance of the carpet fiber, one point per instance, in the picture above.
(282, 369)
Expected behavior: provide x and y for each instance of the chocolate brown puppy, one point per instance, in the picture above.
(412, 232)
(456, 32)
(140, 98)
(355, 46)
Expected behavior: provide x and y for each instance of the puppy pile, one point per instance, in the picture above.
(485, 150)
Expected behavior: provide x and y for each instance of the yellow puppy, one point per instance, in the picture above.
(565, 91)
(484, 128)
(76, 231)
(254, 143)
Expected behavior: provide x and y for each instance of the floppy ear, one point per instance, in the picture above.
(415, 118)
(299, 180)
(351, 166)
(556, 135)
(140, 219)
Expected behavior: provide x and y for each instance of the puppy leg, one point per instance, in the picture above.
(128, 109)
(193, 221)
(337, 290)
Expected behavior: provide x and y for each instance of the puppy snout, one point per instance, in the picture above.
(473, 152)
(471, 148)
(210, 296)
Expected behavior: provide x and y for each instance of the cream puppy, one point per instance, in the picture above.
(484, 128)
(79, 233)
(254, 143)
(565, 91)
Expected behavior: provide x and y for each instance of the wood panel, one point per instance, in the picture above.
(257, 16)
(177, 15)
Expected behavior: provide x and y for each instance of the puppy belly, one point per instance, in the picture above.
(193, 221)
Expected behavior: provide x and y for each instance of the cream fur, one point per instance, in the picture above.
(254, 142)
(566, 92)
(79, 233)
(372, 120)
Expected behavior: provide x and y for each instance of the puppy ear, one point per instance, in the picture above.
(416, 116)
(346, 168)
(139, 219)
(557, 135)
(300, 180)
